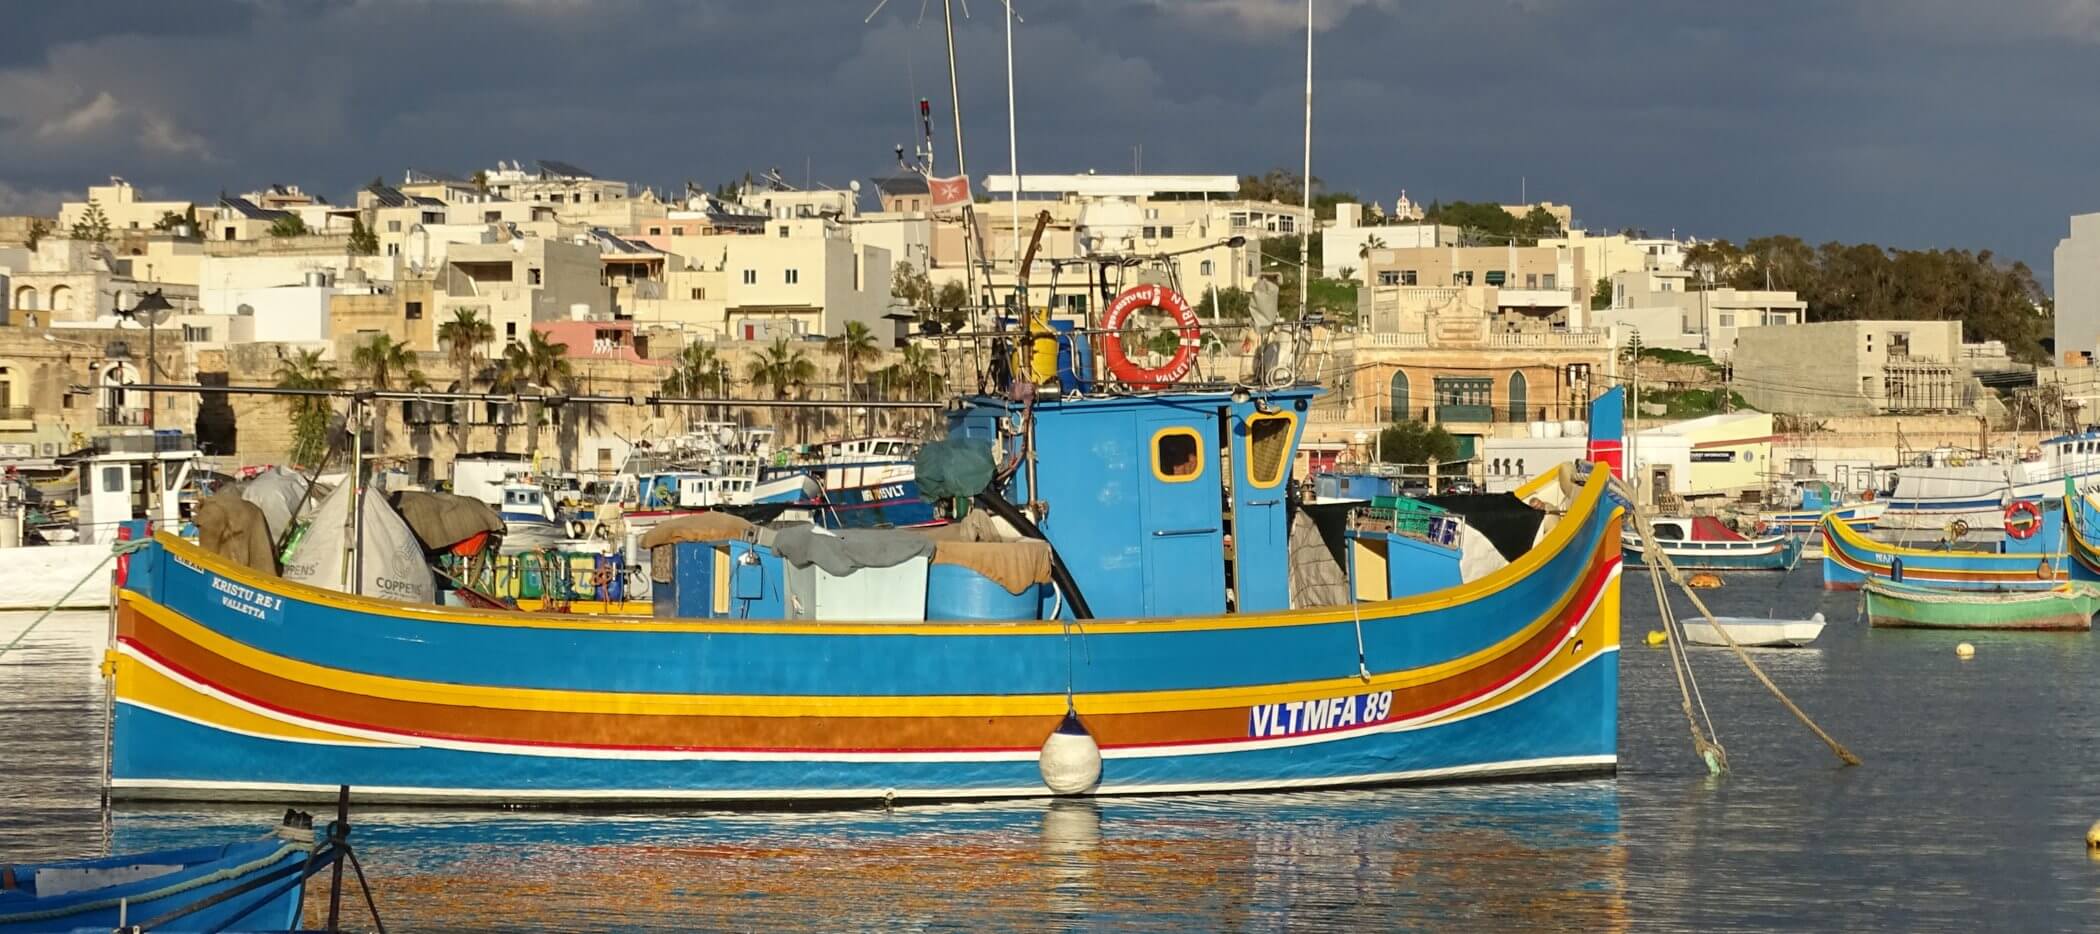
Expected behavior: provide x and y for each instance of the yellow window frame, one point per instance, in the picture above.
(1193, 435)
(1283, 466)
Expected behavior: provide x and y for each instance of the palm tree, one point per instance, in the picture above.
(463, 337)
(854, 344)
(538, 365)
(386, 364)
(309, 413)
(781, 366)
(699, 371)
(916, 375)
(1373, 242)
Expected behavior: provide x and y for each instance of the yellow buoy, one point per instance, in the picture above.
(2092, 836)
(1657, 637)
(1964, 650)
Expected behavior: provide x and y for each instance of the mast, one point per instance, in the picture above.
(1305, 181)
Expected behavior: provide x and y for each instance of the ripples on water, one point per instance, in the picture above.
(1970, 811)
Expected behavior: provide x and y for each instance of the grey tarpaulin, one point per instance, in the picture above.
(277, 493)
(232, 527)
(442, 520)
(394, 568)
(840, 553)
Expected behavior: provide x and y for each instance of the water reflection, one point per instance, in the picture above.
(1517, 855)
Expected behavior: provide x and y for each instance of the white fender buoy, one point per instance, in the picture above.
(1964, 650)
(1071, 760)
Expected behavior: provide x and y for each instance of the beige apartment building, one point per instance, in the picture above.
(1544, 283)
(121, 204)
(1665, 308)
(513, 283)
(1855, 368)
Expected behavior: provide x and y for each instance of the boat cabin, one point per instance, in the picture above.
(859, 450)
(1172, 503)
(119, 481)
(526, 502)
(691, 489)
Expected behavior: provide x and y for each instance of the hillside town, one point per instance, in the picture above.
(438, 281)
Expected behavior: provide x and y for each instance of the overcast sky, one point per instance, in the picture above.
(1905, 122)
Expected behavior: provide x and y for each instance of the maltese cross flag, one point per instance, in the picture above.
(949, 192)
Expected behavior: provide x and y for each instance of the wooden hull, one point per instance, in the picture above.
(2070, 609)
(230, 685)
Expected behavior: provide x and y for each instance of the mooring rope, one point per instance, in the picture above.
(1707, 741)
(119, 548)
(1659, 562)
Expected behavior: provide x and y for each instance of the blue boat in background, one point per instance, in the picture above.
(862, 483)
(1703, 543)
(2035, 560)
(257, 885)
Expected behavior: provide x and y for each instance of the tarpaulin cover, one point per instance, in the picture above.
(394, 568)
(277, 492)
(232, 527)
(1710, 529)
(841, 553)
(1506, 521)
(442, 520)
(953, 467)
(986, 545)
(699, 527)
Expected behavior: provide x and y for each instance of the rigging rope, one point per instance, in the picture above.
(1659, 563)
(120, 548)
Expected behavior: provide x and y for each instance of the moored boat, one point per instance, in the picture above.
(1750, 631)
(1703, 543)
(2029, 557)
(1811, 501)
(2068, 606)
(1942, 486)
(1202, 672)
(254, 885)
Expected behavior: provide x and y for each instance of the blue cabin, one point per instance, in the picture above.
(1166, 504)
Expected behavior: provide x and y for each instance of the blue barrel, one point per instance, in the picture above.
(957, 592)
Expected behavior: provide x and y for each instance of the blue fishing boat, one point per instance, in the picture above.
(2030, 556)
(1941, 486)
(255, 885)
(862, 483)
(1152, 640)
(1703, 543)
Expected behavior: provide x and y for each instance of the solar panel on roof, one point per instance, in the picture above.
(564, 169)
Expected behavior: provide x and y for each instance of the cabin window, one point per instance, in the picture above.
(1269, 448)
(113, 480)
(1177, 455)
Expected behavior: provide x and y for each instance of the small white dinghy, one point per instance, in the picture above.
(1755, 632)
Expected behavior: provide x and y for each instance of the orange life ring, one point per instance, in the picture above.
(2022, 519)
(1169, 301)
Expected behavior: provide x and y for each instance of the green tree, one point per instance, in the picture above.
(1227, 304)
(699, 372)
(916, 374)
(93, 224)
(854, 343)
(538, 366)
(1600, 297)
(782, 366)
(463, 337)
(1373, 242)
(481, 181)
(1416, 443)
(306, 370)
(951, 305)
(385, 364)
(169, 220)
(288, 225)
(38, 230)
(363, 242)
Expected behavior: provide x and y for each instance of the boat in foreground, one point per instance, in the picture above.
(231, 684)
(255, 885)
(2068, 607)
(1753, 632)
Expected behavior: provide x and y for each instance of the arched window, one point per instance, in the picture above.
(1516, 396)
(1399, 398)
(61, 298)
(25, 298)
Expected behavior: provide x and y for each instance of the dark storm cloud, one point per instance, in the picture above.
(1910, 122)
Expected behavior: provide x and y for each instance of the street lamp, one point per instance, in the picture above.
(152, 307)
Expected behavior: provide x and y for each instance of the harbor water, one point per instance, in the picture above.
(1970, 810)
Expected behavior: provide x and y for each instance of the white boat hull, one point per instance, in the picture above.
(1755, 632)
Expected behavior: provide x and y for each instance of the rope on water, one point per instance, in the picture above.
(1706, 741)
(1659, 563)
(120, 548)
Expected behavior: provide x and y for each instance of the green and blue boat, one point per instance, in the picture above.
(2065, 607)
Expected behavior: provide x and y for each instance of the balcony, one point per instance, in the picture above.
(107, 417)
(1595, 339)
(1534, 298)
(1585, 339)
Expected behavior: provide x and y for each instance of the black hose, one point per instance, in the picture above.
(998, 506)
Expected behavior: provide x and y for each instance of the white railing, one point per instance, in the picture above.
(1584, 339)
(1408, 339)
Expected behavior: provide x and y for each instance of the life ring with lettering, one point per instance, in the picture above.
(1131, 301)
(2022, 519)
